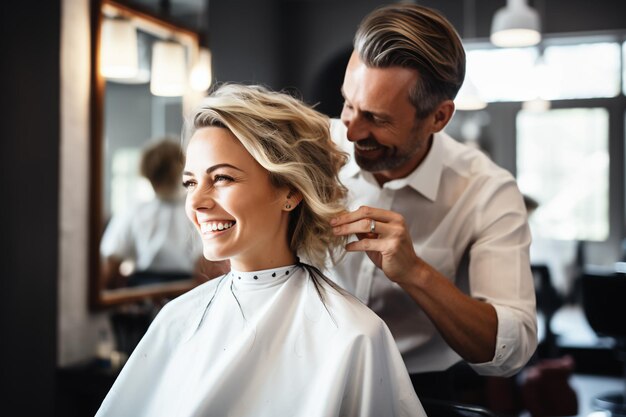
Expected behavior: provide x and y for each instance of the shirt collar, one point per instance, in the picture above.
(425, 178)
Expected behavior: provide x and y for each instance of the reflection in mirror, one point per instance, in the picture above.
(142, 245)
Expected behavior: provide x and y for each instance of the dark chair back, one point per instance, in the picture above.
(439, 408)
(548, 302)
(604, 303)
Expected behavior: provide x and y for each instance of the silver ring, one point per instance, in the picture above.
(372, 225)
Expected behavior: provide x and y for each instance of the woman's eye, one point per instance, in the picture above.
(222, 178)
(188, 184)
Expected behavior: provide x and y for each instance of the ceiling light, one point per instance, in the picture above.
(144, 50)
(516, 25)
(168, 69)
(200, 78)
(118, 49)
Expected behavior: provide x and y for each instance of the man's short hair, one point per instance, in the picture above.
(412, 36)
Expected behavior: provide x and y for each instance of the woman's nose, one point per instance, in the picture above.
(200, 199)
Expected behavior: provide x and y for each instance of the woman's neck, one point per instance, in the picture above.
(263, 264)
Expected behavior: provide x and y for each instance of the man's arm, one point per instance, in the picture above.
(468, 325)
(495, 328)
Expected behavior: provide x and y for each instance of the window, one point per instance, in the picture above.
(584, 70)
(501, 74)
(128, 187)
(563, 163)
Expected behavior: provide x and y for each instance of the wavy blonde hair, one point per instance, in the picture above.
(292, 142)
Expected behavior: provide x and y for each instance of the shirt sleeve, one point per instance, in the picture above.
(500, 274)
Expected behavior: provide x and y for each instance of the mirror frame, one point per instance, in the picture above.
(98, 298)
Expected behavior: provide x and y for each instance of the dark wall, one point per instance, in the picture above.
(245, 39)
(287, 43)
(29, 189)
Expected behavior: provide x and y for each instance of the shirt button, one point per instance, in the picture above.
(503, 346)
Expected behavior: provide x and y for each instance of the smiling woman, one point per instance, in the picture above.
(262, 186)
(227, 187)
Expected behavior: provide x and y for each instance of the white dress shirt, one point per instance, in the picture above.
(254, 344)
(467, 219)
(157, 235)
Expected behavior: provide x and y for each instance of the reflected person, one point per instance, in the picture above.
(154, 235)
(273, 337)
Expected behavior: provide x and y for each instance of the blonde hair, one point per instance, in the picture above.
(292, 142)
(412, 36)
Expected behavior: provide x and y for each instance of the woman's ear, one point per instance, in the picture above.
(292, 199)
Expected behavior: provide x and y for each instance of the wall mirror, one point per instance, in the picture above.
(143, 70)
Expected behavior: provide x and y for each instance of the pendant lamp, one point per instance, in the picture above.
(516, 25)
(168, 69)
(119, 49)
(201, 76)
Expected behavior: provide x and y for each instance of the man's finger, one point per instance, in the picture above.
(366, 245)
(363, 212)
(360, 227)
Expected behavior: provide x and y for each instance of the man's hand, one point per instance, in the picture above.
(468, 325)
(384, 237)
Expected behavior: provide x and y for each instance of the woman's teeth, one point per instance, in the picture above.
(215, 226)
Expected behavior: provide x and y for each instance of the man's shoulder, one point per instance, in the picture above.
(470, 161)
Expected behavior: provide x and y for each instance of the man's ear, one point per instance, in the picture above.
(442, 115)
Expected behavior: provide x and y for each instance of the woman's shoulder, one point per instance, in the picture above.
(350, 314)
(191, 302)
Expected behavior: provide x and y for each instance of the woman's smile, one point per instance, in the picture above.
(213, 227)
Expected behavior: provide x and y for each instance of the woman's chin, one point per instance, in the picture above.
(213, 256)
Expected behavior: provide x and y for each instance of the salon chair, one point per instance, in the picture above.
(605, 308)
(140, 278)
(129, 324)
(548, 302)
(440, 408)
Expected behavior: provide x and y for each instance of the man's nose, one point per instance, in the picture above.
(357, 128)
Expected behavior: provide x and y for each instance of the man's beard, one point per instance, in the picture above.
(390, 159)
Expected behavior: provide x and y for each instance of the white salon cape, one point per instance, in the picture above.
(265, 346)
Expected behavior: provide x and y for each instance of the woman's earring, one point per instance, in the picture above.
(288, 206)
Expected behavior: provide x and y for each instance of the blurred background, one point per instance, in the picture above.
(552, 111)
